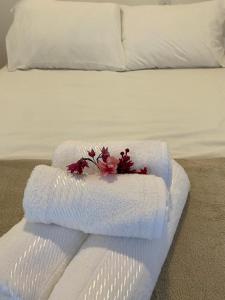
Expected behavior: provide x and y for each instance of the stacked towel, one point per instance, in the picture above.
(154, 155)
(123, 205)
(33, 258)
(121, 268)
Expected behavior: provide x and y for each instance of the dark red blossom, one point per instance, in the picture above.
(125, 163)
(91, 153)
(78, 167)
(105, 154)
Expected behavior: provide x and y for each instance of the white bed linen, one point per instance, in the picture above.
(40, 109)
(120, 268)
(80, 39)
(181, 39)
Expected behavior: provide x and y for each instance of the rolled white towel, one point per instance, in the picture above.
(122, 268)
(154, 155)
(33, 258)
(124, 205)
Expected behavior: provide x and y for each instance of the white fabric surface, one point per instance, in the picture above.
(154, 155)
(65, 35)
(124, 205)
(178, 2)
(33, 258)
(174, 36)
(41, 109)
(120, 268)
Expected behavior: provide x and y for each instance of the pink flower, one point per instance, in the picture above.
(109, 166)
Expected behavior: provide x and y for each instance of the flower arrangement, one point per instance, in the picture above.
(107, 164)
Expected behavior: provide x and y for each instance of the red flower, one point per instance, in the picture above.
(105, 154)
(91, 153)
(108, 167)
(78, 167)
(125, 163)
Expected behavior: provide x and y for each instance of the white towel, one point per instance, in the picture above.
(124, 205)
(121, 268)
(152, 154)
(33, 258)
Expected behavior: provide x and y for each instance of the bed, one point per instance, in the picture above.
(39, 109)
(188, 112)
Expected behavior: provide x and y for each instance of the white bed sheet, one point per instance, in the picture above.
(39, 109)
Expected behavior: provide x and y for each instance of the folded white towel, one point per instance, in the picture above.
(124, 205)
(33, 258)
(121, 268)
(152, 154)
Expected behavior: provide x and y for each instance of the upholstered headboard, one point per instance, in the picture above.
(6, 16)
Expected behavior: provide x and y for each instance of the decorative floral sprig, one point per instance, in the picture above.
(107, 164)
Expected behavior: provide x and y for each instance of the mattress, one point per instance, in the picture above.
(39, 109)
(122, 268)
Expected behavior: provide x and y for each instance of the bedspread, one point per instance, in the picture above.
(39, 109)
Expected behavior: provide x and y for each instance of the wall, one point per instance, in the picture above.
(5, 21)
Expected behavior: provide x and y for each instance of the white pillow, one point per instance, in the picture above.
(65, 35)
(174, 36)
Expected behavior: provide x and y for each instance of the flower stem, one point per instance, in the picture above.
(91, 160)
